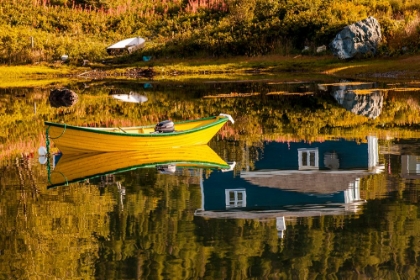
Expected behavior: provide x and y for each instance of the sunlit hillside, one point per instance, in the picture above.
(36, 31)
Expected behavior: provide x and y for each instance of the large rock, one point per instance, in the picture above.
(62, 97)
(360, 38)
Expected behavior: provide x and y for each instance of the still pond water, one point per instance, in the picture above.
(323, 184)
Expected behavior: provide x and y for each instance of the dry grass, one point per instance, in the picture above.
(366, 91)
(290, 93)
(30, 75)
(346, 84)
(404, 68)
(232, 95)
(271, 68)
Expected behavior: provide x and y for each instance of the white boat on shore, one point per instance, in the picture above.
(129, 45)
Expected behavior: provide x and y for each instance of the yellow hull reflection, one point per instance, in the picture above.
(77, 167)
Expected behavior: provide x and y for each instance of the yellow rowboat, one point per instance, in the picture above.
(78, 167)
(76, 139)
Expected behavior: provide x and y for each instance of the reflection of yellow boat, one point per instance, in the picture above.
(77, 167)
(75, 139)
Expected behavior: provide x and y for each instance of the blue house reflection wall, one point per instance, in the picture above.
(282, 163)
(285, 156)
(218, 187)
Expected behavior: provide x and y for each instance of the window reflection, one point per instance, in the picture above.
(235, 198)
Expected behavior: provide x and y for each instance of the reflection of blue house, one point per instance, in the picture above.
(293, 179)
(410, 166)
(340, 154)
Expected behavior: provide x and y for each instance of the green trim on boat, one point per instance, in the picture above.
(167, 134)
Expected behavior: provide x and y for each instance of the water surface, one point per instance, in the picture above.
(324, 183)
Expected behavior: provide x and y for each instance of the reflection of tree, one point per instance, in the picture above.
(342, 246)
(48, 234)
(23, 166)
(79, 232)
(279, 117)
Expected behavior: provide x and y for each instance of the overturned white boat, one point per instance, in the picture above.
(129, 45)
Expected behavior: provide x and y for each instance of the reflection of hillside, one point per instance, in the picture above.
(285, 116)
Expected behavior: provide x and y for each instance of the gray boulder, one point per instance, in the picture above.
(360, 38)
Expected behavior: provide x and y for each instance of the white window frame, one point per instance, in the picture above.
(235, 203)
(353, 192)
(309, 152)
(417, 168)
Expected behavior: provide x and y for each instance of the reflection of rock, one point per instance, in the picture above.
(62, 97)
(369, 105)
(361, 37)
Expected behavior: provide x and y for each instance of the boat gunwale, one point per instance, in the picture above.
(218, 120)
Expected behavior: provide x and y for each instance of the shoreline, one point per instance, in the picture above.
(402, 69)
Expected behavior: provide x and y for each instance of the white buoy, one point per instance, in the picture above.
(42, 159)
(42, 151)
(42, 155)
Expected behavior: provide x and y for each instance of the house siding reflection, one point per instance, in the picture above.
(288, 178)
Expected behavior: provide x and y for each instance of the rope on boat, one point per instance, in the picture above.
(47, 143)
(64, 130)
(64, 176)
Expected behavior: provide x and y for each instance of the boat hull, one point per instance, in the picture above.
(73, 139)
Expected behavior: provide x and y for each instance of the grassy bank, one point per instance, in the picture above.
(287, 68)
(35, 75)
(404, 68)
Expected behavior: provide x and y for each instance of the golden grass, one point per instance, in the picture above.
(232, 95)
(284, 68)
(33, 75)
(346, 84)
(272, 68)
(20, 71)
(405, 68)
(290, 93)
(24, 82)
(367, 91)
(338, 69)
(277, 93)
(406, 89)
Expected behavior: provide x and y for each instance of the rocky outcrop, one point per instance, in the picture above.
(361, 38)
(62, 97)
